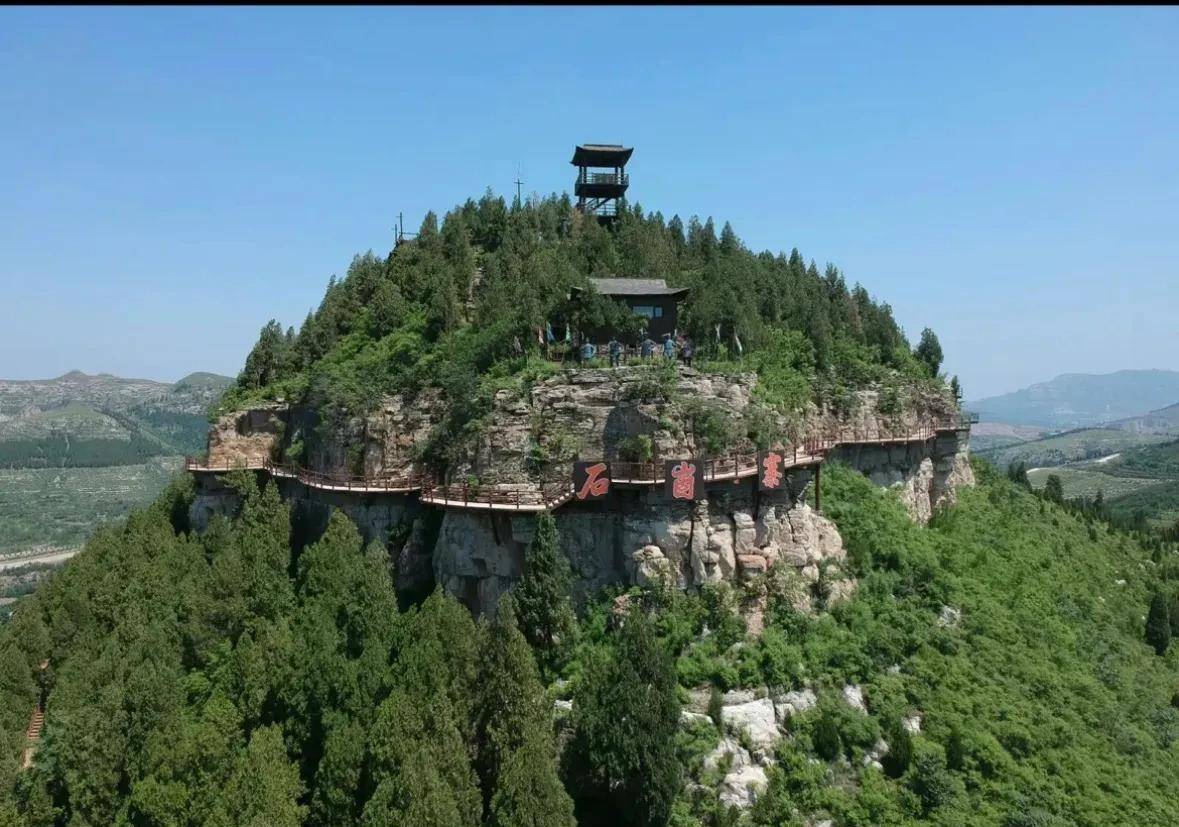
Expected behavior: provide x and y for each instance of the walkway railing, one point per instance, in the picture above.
(555, 491)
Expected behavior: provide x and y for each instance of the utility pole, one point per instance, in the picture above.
(519, 184)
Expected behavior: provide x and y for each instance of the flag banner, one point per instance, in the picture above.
(684, 479)
(591, 480)
(771, 474)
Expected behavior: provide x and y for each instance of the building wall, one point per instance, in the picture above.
(656, 327)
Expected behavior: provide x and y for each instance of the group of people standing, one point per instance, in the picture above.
(671, 348)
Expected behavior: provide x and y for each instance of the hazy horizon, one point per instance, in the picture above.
(176, 177)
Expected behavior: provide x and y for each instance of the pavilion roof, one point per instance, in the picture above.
(601, 155)
(637, 287)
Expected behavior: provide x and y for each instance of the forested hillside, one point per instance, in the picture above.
(79, 450)
(82, 421)
(239, 677)
(447, 309)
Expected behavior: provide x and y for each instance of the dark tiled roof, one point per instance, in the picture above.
(636, 287)
(601, 155)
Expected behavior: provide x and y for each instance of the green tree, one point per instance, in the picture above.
(542, 598)
(1158, 624)
(626, 715)
(264, 789)
(269, 360)
(516, 753)
(1054, 489)
(956, 389)
(929, 351)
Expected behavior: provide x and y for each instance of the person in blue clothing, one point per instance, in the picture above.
(668, 346)
(615, 347)
(588, 351)
(648, 348)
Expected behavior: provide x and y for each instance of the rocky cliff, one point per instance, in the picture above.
(735, 534)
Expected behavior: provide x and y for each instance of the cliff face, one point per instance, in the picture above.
(736, 534)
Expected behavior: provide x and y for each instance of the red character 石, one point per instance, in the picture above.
(683, 486)
(595, 484)
(772, 464)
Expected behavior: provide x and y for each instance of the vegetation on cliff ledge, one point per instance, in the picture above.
(447, 309)
(245, 676)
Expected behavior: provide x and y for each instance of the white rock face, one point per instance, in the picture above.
(912, 724)
(688, 717)
(744, 781)
(949, 617)
(742, 787)
(757, 720)
(735, 534)
(728, 745)
(853, 696)
(794, 703)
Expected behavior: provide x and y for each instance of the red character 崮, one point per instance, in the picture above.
(595, 484)
(773, 475)
(684, 485)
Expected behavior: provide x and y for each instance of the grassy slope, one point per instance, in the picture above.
(1065, 714)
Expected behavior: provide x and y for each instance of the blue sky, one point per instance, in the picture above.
(170, 179)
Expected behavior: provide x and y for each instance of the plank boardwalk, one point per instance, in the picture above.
(553, 494)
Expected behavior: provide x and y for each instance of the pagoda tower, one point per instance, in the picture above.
(601, 178)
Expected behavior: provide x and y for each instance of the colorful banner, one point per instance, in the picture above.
(591, 480)
(684, 479)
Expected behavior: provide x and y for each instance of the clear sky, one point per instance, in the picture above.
(170, 179)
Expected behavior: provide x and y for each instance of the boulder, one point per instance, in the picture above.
(742, 787)
(757, 720)
(853, 695)
(794, 703)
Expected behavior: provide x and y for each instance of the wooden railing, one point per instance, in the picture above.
(555, 490)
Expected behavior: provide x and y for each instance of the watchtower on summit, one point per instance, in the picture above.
(601, 178)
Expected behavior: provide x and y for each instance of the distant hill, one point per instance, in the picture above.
(1078, 400)
(1163, 421)
(79, 420)
(80, 450)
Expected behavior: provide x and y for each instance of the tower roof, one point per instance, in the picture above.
(601, 155)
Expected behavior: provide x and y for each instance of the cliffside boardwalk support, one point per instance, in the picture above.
(555, 492)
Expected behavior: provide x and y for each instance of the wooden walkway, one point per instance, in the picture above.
(33, 730)
(555, 493)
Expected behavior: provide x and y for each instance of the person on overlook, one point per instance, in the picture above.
(647, 349)
(669, 346)
(686, 352)
(615, 351)
(588, 351)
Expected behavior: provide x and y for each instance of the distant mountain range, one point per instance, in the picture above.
(1078, 400)
(79, 419)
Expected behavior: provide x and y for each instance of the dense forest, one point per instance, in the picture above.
(446, 309)
(64, 451)
(244, 676)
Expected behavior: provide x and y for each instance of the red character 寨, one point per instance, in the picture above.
(683, 486)
(772, 464)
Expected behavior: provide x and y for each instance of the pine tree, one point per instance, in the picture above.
(542, 598)
(626, 716)
(929, 351)
(956, 389)
(1053, 489)
(1158, 624)
(516, 753)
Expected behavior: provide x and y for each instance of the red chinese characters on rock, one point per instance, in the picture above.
(591, 480)
(683, 479)
(771, 471)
